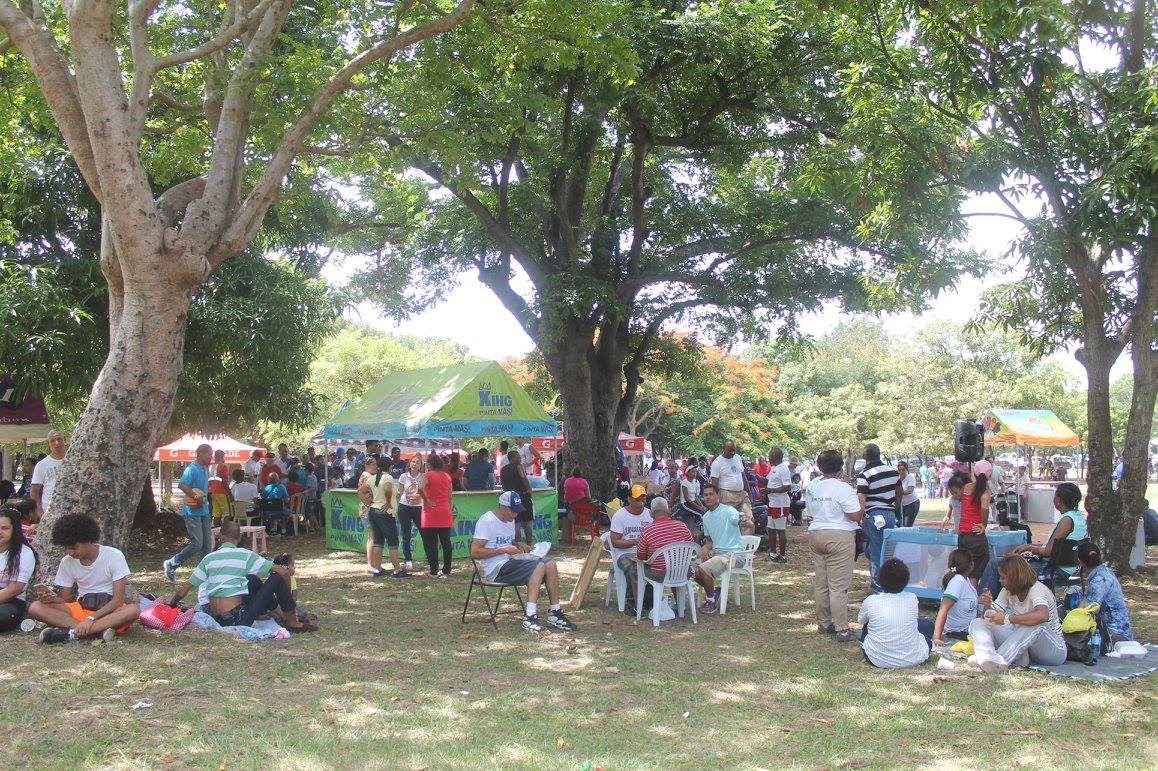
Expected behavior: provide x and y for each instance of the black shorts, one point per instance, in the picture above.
(529, 514)
(383, 528)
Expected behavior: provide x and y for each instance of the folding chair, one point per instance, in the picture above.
(477, 579)
(1063, 555)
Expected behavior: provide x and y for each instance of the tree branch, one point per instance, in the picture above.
(257, 203)
(219, 41)
(58, 86)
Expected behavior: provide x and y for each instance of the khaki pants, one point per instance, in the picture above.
(832, 557)
(738, 499)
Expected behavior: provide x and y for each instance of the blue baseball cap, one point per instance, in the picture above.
(512, 501)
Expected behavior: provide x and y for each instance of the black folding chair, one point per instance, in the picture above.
(1063, 555)
(477, 579)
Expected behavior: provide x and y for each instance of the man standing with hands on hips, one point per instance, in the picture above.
(194, 482)
(727, 475)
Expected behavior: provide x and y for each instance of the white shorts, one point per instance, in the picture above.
(779, 523)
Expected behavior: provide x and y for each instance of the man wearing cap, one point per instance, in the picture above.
(626, 526)
(494, 545)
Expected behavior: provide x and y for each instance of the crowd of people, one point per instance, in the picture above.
(1005, 606)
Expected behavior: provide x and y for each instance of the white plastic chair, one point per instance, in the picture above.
(615, 576)
(677, 562)
(741, 563)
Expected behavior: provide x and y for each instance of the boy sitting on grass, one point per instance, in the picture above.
(97, 606)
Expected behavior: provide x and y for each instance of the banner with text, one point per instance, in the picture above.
(346, 531)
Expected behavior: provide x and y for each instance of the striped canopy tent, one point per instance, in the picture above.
(1032, 427)
(184, 450)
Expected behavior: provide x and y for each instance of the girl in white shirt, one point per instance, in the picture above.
(17, 564)
(958, 599)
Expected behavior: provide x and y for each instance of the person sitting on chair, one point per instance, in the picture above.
(233, 578)
(494, 545)
(274, 497)
(101, 604)
(1071, 527)
(1103, 588)
(626, 526)
(663, 531)
(722, 528)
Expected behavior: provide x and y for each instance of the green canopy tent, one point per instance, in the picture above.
(463, 400)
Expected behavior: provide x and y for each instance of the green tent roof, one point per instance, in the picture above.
(473, 399)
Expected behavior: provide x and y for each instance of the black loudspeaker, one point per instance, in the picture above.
(968, 441)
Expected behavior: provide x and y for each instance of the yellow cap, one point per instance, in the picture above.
(638, 491)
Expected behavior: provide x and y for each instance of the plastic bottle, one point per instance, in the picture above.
(1073, 598)
(1095, 646)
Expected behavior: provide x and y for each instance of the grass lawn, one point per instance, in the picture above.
(395, 680)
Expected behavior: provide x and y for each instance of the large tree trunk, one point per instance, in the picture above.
(590, 398)
(1103, 506)
(129, 407)
(1140, 424)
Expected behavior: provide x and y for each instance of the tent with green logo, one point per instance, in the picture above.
(473, 399)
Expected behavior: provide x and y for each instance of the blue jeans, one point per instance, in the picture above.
(198, 529)
(875, 539)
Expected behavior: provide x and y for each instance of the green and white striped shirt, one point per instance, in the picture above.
(224, 571)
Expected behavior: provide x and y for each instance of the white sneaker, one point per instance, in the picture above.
(408, 566)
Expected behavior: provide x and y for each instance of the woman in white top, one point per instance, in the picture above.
(893, 636)
(958, 599)
(1021, 626)
(17, 564)
(910, 503)
(835, 510)
(409, 507)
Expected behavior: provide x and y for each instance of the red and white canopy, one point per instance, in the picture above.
(631, 445)
(185, 449)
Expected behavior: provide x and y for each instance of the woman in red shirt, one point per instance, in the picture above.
(974, 497)
(437, 515)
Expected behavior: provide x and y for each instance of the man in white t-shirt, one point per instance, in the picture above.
(779, 505)
(528, 455)
(243, 489)
(254, 464)
(727, 475)
(493, 546)
(101, 605)
(627, 525)
(45, 474)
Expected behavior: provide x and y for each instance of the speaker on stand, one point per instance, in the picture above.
(968, 441)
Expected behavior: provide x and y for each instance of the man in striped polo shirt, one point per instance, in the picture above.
(878, 486)
(233, 579)
(663, 531)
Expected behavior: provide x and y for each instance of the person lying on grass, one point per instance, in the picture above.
(494, 545)
(100, 605)
(238, 595)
